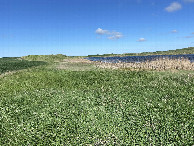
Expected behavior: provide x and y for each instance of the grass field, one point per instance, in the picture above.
(72, 103)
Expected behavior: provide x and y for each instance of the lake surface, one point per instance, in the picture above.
(126, 59)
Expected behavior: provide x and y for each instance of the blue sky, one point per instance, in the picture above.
(83, 27)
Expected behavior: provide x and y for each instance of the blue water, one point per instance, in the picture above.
(126, 59)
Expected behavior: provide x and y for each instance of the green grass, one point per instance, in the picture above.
(13, 64)
(60, 107)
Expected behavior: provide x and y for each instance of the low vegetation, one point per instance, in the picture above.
(73, 102)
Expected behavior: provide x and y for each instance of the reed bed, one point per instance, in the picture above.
(158, 64)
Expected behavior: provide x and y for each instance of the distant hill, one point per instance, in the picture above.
(189, 50)
(60, 57)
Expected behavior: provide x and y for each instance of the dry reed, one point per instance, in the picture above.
(158, 64)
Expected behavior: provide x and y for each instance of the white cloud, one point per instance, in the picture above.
(189, 1)
(141, 40)
(192, 32)
(101, 31)
(112, 35)
(173, 7)
(174, 31)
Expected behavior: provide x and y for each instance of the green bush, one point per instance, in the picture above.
(13, 64)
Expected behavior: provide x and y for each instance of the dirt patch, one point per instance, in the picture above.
(77, 64)
(77, 60)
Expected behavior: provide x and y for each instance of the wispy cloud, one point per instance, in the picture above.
(192, 32)
(189, 1)
(112, 35)
(174, 31)
(141, 40)
(175, 6)
(115, 35)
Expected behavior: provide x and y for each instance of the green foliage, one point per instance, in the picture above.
(13, 64)
(58, 107)
(47, 58)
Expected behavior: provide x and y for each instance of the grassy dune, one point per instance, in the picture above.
(49, 58)
(71, 103)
